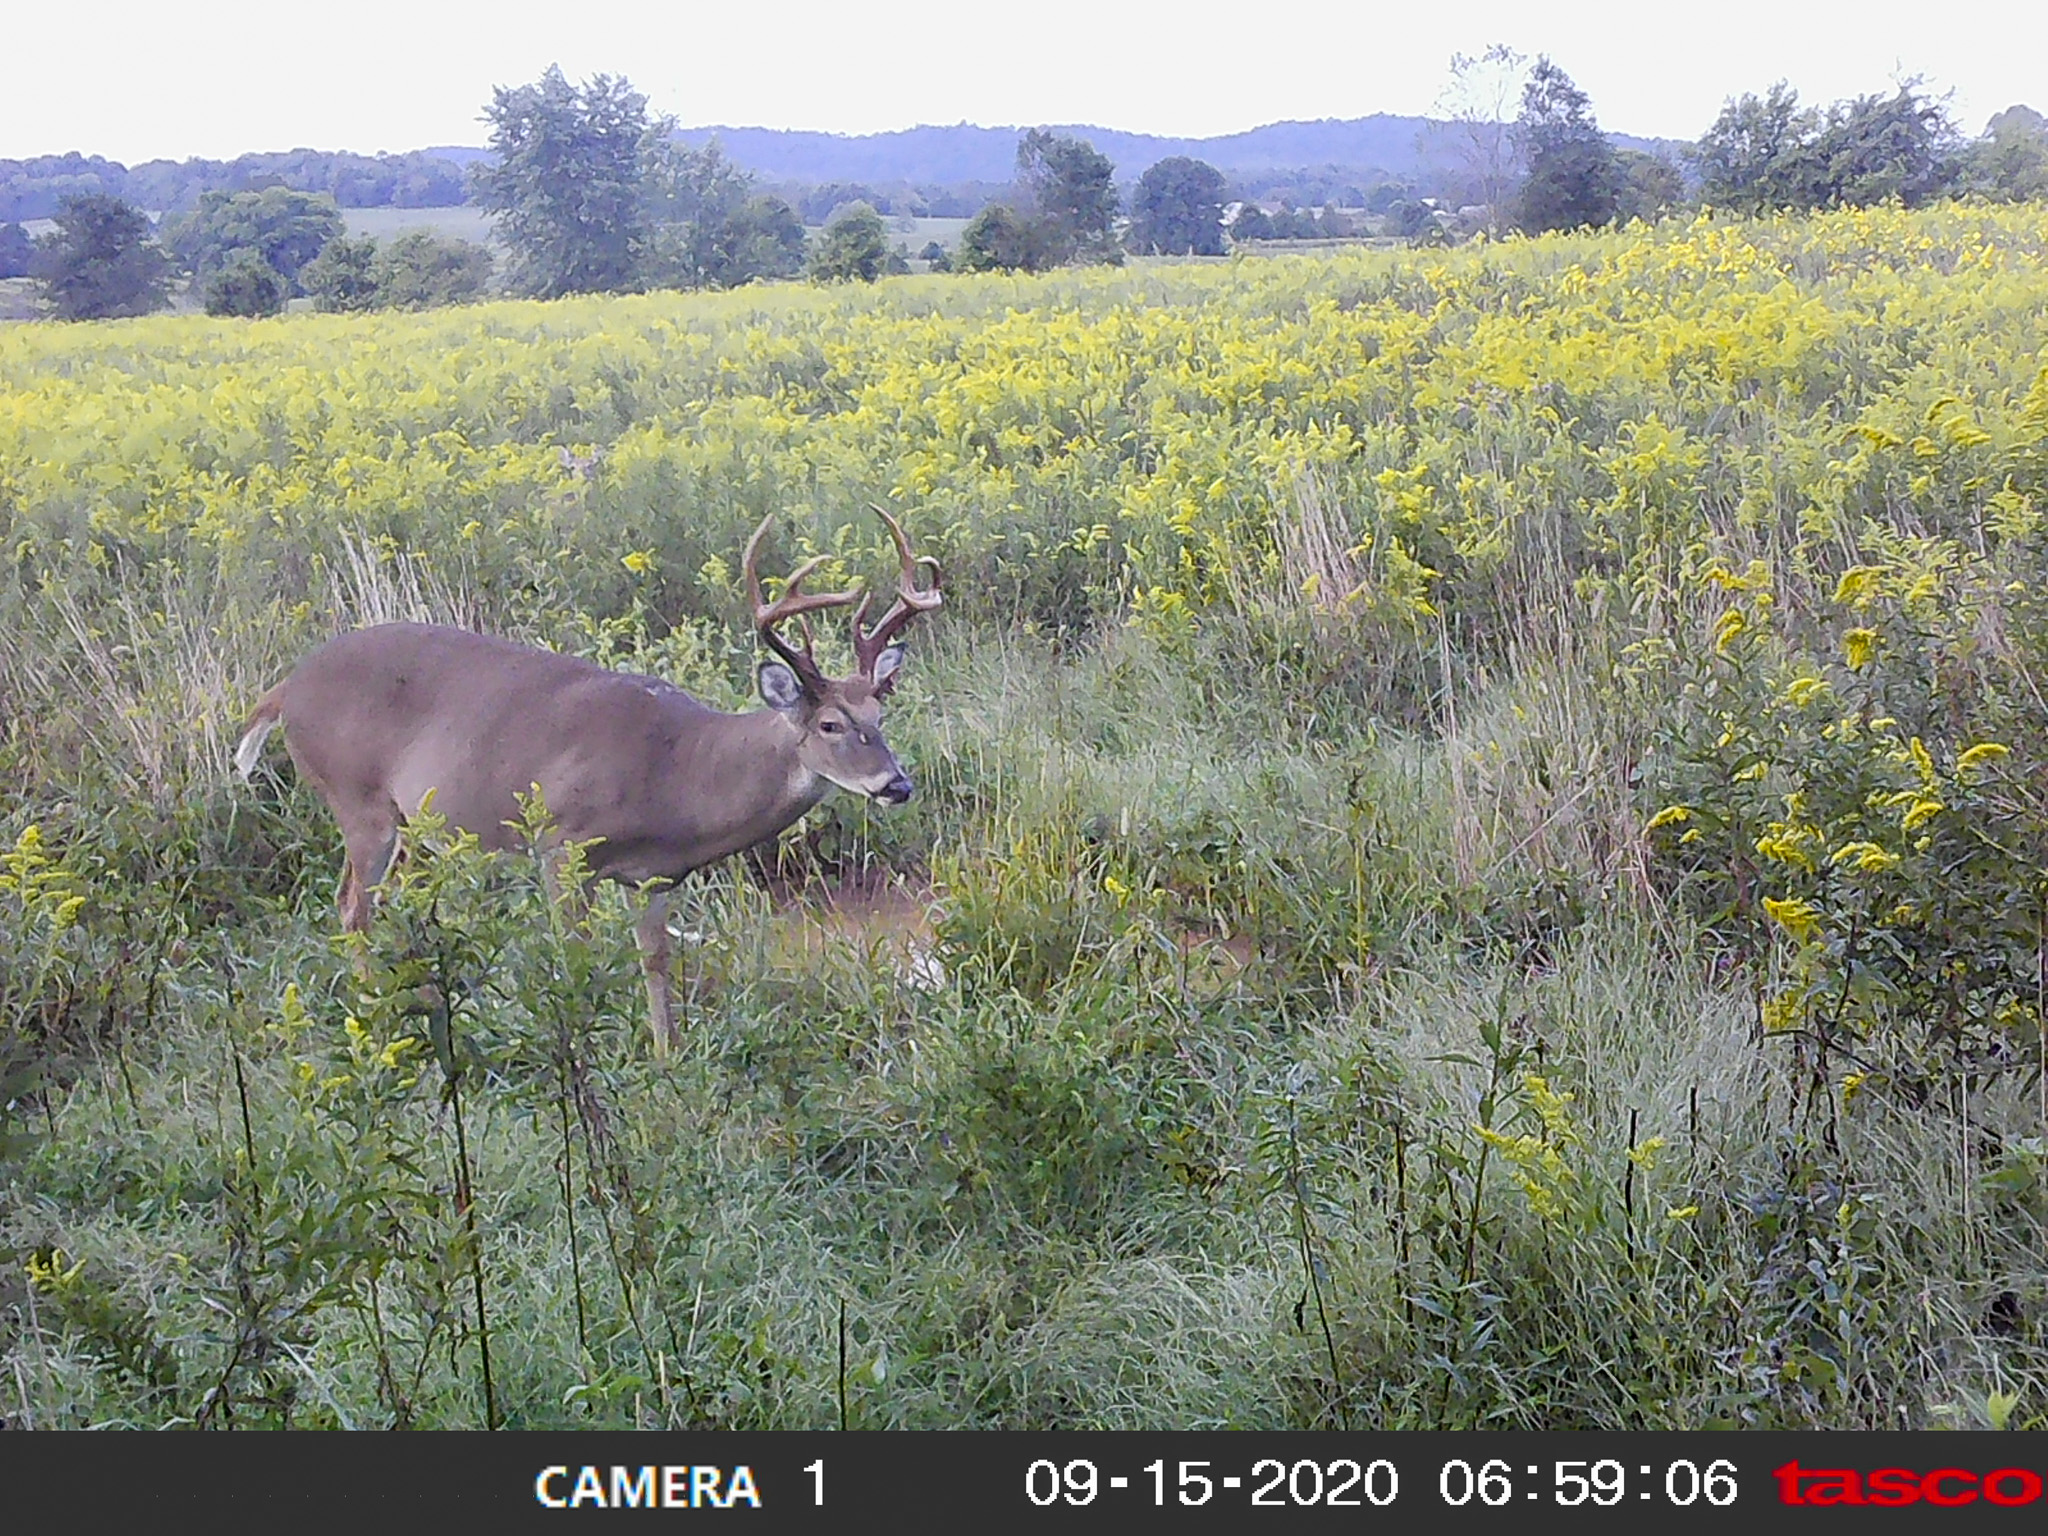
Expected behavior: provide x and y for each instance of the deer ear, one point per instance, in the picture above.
(779, 686)
(885, 669)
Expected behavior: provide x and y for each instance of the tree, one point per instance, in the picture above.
(16, 251)
(1873, 149)
(418, 270)
(1570, 180)
(101, 261)
(568, 183)
(855, 247)
(709, 231)
(765, 239)
(1071, 189)
(245, 285)
(1252, 223)
(1757, 156)
(1649, 186)
(1177, 208)
(999, 239)
(284, 228)
(342, 279)
(2010, 162)
(1472, 119)
(1767, 154)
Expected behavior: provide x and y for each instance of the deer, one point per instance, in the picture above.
(658, 783)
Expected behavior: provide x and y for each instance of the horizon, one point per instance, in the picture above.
(403, 79)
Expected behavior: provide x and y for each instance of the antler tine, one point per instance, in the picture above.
(792, 604)
(911, 600)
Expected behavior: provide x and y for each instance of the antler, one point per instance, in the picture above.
(791, 604)
(868, 644)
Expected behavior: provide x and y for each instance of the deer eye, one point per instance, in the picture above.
(830, 727)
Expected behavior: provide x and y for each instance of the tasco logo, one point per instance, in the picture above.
(1896, 1485)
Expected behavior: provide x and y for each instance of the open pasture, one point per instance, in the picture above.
(1478, 855)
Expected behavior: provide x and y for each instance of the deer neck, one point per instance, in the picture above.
(763, 780)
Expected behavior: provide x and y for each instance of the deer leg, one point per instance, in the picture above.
(657, 950)
(370, 842)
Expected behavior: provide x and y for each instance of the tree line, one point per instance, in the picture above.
(592, 193)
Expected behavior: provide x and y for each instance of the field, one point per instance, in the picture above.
(463, 223)
(1478, 857)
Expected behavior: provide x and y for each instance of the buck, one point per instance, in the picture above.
(664, 784)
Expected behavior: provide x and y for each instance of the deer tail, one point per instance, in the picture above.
(269, 713)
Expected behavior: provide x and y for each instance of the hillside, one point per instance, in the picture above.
(1397, 146)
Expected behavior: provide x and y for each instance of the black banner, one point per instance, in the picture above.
(1156, 1480)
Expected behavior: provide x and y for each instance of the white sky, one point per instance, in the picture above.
(136, 81)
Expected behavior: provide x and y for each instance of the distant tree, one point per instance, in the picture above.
(854, 247)
(417, 270)
(765, 238)
(1767, 154)
(101, 261)
(819, 203)
(1473, 122)
(343, 278)
(16, 251)
(568, 183)
(2010, 162)
(1335, 224)
(1410, 217)
(1000, 239)
(1177, 208)
(1569, 179)
(1253, 223)
(1648, 186)
(1872, 149)
(1072, 191)
(284, 228)
(709, 231)
(244, 285)
(935, 258)
(1758, 154)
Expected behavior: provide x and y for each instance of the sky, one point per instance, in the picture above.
(219, 78)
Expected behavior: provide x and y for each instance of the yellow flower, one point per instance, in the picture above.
(1984, 752)
(1682, 1213)
(639, 562)
(1923, 809)
(1796, 917)
(1867, 857)
(1859, 646)
(1670, 814)
(1728, 629)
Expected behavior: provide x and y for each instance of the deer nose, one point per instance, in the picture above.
(896, 791)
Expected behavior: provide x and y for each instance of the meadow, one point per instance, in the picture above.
(1478, 858)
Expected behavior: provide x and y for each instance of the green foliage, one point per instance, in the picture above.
(1570, 179)
(1766, 154)
(417, 270)
(709, 231)
(1177, 209)
(1071, 190)
(855, 247)
(999, 239)
(244, 285)
(17, 251)
(342, 279)
(101, 261)
(282, 228)
(1647, 186)
(566, 182)
(2011, 161)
